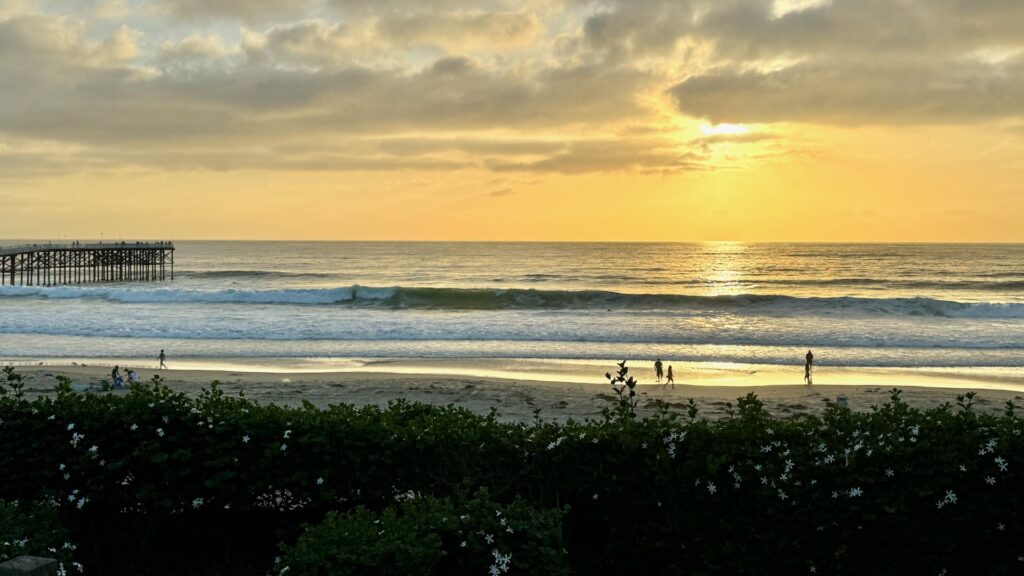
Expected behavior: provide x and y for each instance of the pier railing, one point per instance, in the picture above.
(20, 248)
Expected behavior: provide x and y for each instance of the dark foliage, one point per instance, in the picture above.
(152, 482)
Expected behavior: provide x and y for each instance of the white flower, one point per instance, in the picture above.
(1002, 464)
(963, 468)
(462, 544)
(940, 504)
(950, 497)
(71, 426)
(854, 492)
(889, 473)
(1001, 527)
(782, 495)
(61, 467)
(990, 480)
(320, 481)
(133, 427)
(711, 488)
(94, 449)
(245, 439)
(284, 447)
(81, 502)
(287, 434)
(160, 432)
(197, 502)
(489, 538)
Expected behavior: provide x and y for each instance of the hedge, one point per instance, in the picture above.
(154, 482)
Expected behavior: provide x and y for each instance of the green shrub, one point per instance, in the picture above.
(34, 529)
(424, 536)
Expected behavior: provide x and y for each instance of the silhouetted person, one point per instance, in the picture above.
(115, 378)
(807, 367)
(670, 379)
(162, 358)
(657, 369)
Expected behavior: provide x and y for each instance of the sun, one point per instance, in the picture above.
(709, 130)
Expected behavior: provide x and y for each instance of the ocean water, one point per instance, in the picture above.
(859, 305)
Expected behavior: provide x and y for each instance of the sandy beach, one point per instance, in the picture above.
(519, 399)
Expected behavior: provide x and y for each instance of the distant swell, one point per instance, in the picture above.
(526, 299)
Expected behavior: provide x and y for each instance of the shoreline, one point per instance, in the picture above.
(517, 399)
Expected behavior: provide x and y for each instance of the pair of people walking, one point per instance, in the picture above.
(659, 373)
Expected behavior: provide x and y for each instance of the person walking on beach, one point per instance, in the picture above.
(807, 367)
(670, 379)
(162, 358)
(657, 369)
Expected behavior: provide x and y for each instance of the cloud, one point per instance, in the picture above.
(461, 30)
(244, 10)
(835, 62)
(193, 47)
(861, 93)
(501, 192)
(589, 156)
(556, 86)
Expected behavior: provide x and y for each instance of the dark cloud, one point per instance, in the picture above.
(868, 93)
(837, 61)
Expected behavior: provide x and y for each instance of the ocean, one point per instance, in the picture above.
(352, 304)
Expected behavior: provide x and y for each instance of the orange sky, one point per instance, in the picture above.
(675, 120)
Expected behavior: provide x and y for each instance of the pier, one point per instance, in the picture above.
(78, 263)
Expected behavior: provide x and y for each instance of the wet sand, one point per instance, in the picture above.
(518, 399)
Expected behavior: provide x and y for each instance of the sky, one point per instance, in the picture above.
(575, 120)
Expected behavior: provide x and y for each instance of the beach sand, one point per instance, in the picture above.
(519, 399)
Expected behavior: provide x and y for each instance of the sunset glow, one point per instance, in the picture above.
(512, 120)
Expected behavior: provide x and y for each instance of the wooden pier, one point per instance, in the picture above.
(77, 263)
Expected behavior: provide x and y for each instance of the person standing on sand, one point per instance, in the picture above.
(162, 358)
(807, 367)
(670, 379)
(657, 369)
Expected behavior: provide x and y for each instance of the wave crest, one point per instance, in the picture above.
(526, 299)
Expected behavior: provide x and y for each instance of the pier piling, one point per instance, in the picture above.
(77, 263)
